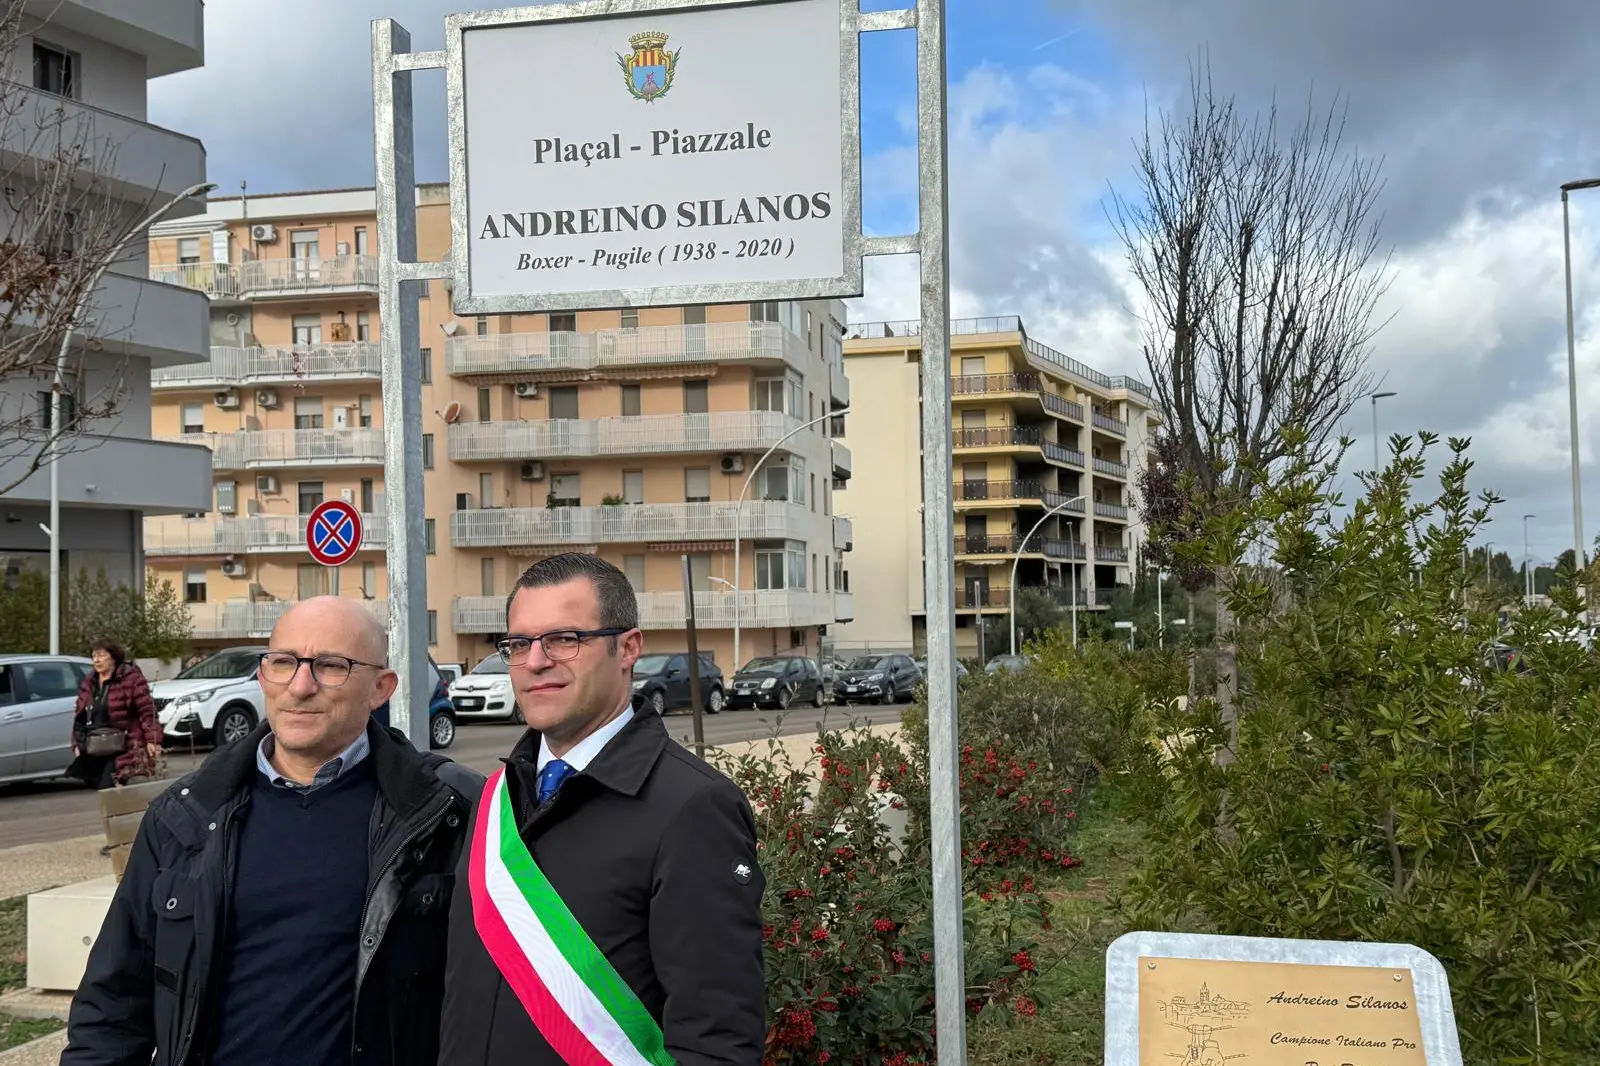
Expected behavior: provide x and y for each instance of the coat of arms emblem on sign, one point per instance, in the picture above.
(649, 69)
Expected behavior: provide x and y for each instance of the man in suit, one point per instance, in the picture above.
(612, 910)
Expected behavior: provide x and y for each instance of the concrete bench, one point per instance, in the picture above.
(121, 811)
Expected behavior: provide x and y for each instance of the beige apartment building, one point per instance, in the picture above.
(1038, 435)
(628, 433)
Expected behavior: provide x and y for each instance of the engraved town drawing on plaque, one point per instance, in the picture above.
(1202, 1019)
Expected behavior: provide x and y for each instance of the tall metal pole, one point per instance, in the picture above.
(1527, 568)
(59, 386)
(1074, 604)
(1016, 558)
(1572, 381)
(399, 346)
(1161, 625)
(738, 521)
(938, 538)
(694, 660)
(1377, 459)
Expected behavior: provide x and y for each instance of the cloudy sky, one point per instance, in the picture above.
(1480, 109)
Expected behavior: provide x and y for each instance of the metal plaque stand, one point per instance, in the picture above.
(399, 273)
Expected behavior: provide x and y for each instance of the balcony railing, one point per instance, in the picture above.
(220, 281)
(240, 619)
(1109, 468)
(348, 361)
(1057, 453)
(721, 431)
(844, 607)
(842, 460)
(1005, 544)
(779, 609)
(223, 370)
(625, 523)
(1106, 554)
(246, 449)
(993, 384)
(292, 276)
(1109, 424)
(1000, 437)
(1110, 510)
(974, 596)
(844, 533)
(977, 491)
(175, 535)
(531, 353)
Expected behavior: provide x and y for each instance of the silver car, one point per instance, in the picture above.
(37, 695)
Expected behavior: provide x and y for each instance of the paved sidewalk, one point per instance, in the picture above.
(30, 868)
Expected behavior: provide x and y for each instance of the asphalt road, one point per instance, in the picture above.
(61, 810)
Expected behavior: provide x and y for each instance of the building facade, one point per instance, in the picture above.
(1044, 448)
(628, 433)
(75, 89)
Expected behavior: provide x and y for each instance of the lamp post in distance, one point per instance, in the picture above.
(1527, 566)
(1572, 368)
(1130, 627)
(1377, 460)
(1016, 558)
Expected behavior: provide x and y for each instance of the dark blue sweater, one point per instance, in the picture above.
(294, 930)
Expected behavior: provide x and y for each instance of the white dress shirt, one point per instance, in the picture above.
(584, 751)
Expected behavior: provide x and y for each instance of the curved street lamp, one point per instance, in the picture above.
(1572, 369)
(1017, 558)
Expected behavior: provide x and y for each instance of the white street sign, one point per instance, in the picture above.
(685, 156)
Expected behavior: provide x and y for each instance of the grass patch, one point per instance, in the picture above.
(13, 943)
(1070, 1028)
(15, 1032)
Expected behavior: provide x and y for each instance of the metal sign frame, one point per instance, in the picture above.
(1440, 1044)
(847, 284)
(319, 513)
(399, 278)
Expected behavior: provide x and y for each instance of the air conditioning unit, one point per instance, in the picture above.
(341, 418)
(527, 390)
(533, 470)
(266, 398)
(733, 464)
(263, 233)
(232, 568)
(266, 483)
(463, 501)
(226, 399)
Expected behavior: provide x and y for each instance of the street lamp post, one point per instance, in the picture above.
(1572, 368)
(58, 386)
(738, 520)
(1017, 558)
(1377, 461)
(1527, 570)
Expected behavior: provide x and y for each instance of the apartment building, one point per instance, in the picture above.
(1038, 436)
(75, 87)
(628, 433)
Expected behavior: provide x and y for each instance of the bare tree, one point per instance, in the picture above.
(1256, 243)
(61, 222)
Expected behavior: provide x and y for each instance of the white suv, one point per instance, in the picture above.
(216, 701)
(485, 693)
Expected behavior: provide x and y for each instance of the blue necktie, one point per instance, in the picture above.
(550, 778)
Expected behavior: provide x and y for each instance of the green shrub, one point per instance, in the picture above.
(1388, 783)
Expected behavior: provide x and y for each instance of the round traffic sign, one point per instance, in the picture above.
(333, 532)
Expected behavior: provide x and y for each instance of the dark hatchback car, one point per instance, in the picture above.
(661, 682)
(776, 681)
(878, 679)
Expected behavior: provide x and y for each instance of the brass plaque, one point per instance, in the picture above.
(1203, 1012)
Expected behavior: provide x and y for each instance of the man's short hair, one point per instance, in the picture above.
(619, 608)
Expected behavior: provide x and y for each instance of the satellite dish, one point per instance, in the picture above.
(452, 413)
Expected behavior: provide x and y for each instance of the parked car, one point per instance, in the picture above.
(878, 678)
(215, 701)
(1013, 663)
(37, 695)
(776, 681)
(961, 668)
(661, 682)
(485, 693)
(441, 715)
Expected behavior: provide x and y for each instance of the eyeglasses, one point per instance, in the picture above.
(558, 647)
(329, 671)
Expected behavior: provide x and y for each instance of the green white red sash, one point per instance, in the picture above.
(576, 998)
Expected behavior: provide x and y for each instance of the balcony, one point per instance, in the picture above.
(626, 524)
(841, 461)
(130, 316)
(251, 533)
(838, 385)
(347, 362)
(1110, 510)
(512, 354)
(170, 34)
(127, 159)
(778, 609)
(340, 275)
(222, 371)
(1107, 554)
(1110, 425)
(844, 534)
(1000, 437)
(1062, 456)
(844, 607)
(1111, 469)
(119, 472)
(1058, 406)
(243, 620)
(994, 385)
(1007, 546)
(974, 595)
(721, 431)
(267, 448)
(219, 281)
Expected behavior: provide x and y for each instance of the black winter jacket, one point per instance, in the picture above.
(654, 853)
(150, 980)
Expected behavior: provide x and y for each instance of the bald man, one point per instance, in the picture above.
(287, 902)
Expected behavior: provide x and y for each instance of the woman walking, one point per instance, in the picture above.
(115, 732)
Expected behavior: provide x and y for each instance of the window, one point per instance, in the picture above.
(193, 418)
(777, 479)
(694, 315)
(700, 573)
(484, 414)
(564, 401)
(486, 575)
(69, 409)
(787, 482)
(813, 492)
(564, 323)
(305, 244)
(769, 568)
(366, 495)
(310, 494)
(50, 681)
(633, 486)
(427, 451)
(696, 397)
(55, 70)
(482, 326)
(813, 572)
(630, 318)
(363, 247)
(972, 366)
(189, 250)
(426, 355)
(364, 411)
(566, 490)
(313, 580)
(486, 490)
(630, 401)
(633, 566)
(796, 388)
(363, 326)
(764, 311)
(697, 485)
(369, 580)
(433, 628)
(430, 543)
(194, 585)
(308, 412)
(307, 330)
(767, 394)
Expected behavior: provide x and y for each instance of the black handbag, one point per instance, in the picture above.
(105, 741)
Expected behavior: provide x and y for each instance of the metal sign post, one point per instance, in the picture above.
(638, 153)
